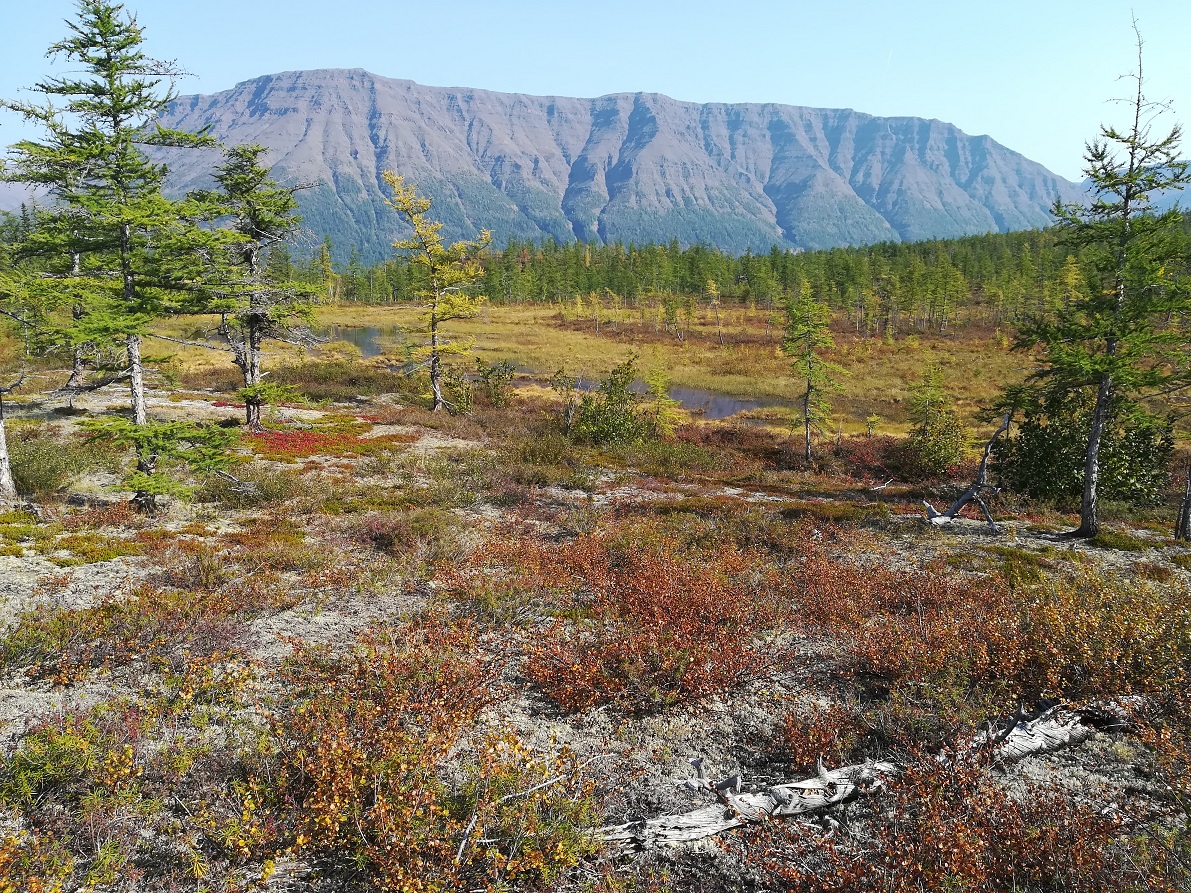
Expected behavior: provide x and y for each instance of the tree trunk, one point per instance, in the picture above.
(1089, 520)
(136, 380)
(435, 369)
(1182, 526)
(145, 463)
(8, 487)
(806, 421)
(252, 378)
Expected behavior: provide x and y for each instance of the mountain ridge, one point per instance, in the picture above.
(630, 167)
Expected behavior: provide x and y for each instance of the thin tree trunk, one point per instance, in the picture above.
(1182, 527)
(252, 378)
(806, 420)
(8, 487)
(435, 369)
(136, 379)
(1089, 519)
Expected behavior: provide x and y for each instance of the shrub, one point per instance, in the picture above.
(46, 462)
(1121, 541)
(495, 382)
(342, 380)
(30, 863)
(255, 484)
(673, 458)
(608, 415)
(1045, 460)
(937, 439)
(652, 624)
(1099, 635)
(457, 391)
(365, 743)
(953, 827)
(423, 537)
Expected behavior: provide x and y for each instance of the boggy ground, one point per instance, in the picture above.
(406, 651)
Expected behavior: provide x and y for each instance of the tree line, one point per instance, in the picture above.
(993, 280)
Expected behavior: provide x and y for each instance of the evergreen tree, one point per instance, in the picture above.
(937, 439)
(1116, 339)
(807, 336)
(128, 246)
(254, 299)
(449, 274)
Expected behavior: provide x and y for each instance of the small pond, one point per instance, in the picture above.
(373, 341)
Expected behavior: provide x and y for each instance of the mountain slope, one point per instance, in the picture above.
(629, 167)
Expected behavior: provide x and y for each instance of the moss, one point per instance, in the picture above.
(837, 512)
(1121, 541)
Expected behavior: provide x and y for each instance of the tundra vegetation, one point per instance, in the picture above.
(355, 641)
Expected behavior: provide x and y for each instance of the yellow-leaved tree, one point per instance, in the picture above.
(446, 277)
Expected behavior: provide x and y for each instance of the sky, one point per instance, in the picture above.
(1039, 77)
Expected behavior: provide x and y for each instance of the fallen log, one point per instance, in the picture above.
(1050, 730)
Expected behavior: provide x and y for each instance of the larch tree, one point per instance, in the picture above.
(808, 335)
(125, 246)
(1117, 339)
(256, 302)
(448, 275)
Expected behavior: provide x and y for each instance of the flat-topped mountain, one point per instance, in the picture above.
(628, 167)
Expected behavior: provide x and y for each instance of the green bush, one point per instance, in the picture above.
(255, 484)
(46, 462)
(495, 383)
(1045, 461)
(937, 439)
(608, 416)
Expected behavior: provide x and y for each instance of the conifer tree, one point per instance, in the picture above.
(448, 273)
(127, 246)
(1116, 339)
(807, 336)
(256, 303)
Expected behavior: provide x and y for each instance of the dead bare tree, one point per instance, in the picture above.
(974, 493)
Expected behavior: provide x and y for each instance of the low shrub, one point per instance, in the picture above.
(952, 826)
(342, 380)
(253, 485)
(673, 458)
(365, 745)
(1122, 541)
(836, 511)
(46, 462)
(651, 624)
(422, 538)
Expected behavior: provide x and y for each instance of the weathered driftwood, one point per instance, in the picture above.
(974, 493)
(1052, 729)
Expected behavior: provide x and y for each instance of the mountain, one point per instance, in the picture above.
(629, 167)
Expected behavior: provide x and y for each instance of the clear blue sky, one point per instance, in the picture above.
(1036, 76)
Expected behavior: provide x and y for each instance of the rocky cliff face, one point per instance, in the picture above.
(630, 167)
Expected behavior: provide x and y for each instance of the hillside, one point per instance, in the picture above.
(626, 167)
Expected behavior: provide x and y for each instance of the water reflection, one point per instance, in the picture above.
(373, 341)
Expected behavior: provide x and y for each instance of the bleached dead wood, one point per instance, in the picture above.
(1053, 729)
(736, 808)
(974, 493)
